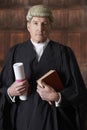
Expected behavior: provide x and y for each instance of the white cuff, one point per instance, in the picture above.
(57, 103)
(12, 98)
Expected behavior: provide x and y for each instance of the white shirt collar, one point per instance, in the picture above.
(42, 43)
(39, 48)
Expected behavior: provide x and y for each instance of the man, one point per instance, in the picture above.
(44, 109)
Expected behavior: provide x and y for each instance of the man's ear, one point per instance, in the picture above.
(28, 26)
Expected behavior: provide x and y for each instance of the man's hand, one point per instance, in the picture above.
(47, 93)
(18, 88)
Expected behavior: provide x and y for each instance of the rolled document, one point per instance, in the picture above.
(20, 76)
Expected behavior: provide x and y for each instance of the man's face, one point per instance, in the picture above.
(39, 28)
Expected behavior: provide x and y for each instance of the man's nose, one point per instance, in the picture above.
(41, 27)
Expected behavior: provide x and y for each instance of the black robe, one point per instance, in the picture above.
(36, 114)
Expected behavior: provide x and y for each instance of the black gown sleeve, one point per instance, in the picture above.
(7, 75)
(75, 89)
(6, 79)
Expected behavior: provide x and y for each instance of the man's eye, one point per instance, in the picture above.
(45, 24)
(35, 23)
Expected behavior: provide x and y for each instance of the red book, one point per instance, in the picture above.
(52, 78)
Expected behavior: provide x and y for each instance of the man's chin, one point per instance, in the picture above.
(41, 40)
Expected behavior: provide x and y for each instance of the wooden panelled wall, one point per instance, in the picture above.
(69, 27)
